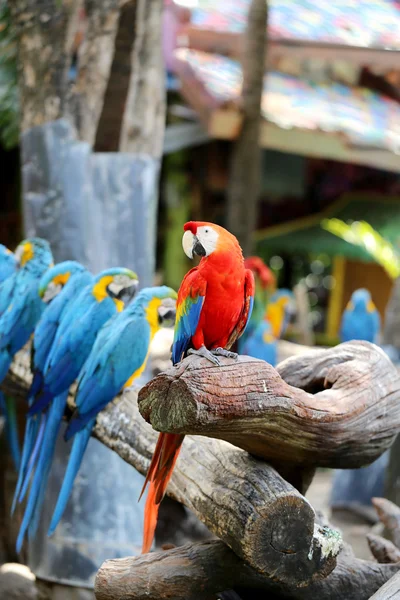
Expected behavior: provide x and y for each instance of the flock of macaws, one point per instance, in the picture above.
(93, 329)
(97, 330)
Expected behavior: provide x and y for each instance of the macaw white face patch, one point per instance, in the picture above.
(121, 282)
(206, 236)
(52, 290)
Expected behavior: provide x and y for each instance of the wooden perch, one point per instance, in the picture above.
(389, 515)
(336, 408)
(242, 500)
(197, 571)
(383, 550)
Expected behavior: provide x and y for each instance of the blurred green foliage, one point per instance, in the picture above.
(363, 234)
(9, 104)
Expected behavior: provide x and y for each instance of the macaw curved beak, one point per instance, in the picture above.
(167, 312)
(128, 293)
(192, 245)
(198, 248)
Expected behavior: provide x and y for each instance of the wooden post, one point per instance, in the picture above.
(336, 297)
(245, 169)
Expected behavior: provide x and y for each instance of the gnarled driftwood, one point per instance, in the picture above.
(336, 408)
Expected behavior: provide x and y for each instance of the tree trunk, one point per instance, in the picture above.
(96, 57)
(145, 104)
(45, 31)
(245, 170)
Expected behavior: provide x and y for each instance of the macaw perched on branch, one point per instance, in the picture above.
(73, 341)
(361, 320)
(264, 283)
(214, 306)
(20, 310)
(118, 357)
(58, 286)
(8, 263)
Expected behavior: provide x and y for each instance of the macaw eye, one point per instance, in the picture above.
(206, 231)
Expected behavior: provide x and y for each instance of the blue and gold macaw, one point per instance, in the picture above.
(280, 309)
(262, 344)
(262, 340)
(58, 286)
(360, 320)
(74, 339)
(20, 310)
(118, 357)
(8, 263)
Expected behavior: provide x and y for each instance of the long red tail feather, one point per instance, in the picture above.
(159, 473)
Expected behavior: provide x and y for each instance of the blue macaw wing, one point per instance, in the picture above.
(189, 305)
(8, 263)
(18, 321)
(73, 347)
(47, 327)
(111, 364)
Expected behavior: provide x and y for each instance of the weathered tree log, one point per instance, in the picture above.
(241, 499)
(245, 169)
(390, 590)
(389, 515)
(382, 549)
(337, 408)
(197, 571)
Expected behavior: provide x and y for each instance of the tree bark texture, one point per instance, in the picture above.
(95, 58)
(145, 104)
(242, 500)
(390, 591)
(245, 169)
(45, 31)
(197, 571)
(336, 408)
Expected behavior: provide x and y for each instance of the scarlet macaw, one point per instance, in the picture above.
(58, 286)
(118, 357)
(20, 310)
(74, 339)
(361, 320)
(214, 305)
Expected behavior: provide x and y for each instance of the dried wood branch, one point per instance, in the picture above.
(389, 515)
(390, 590)
(337, 408)
(383, 550)
(197, 571)
(242, 500)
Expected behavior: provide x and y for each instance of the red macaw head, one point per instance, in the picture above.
(204, 239)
